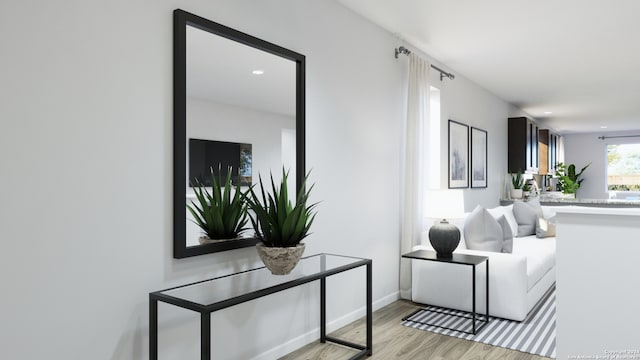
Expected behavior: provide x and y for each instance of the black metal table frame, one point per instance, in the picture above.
(473, 315)
(206, 310)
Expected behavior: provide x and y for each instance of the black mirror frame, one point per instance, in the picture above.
(180, 20)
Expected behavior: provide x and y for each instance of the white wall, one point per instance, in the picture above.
(86, 154)
(466, 102)
(214, 121)
(581, 149)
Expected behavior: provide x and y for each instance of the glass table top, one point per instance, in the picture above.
(223, 288)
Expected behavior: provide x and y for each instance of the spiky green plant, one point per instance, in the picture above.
(218, 213)
(517, 181)
(276, 221)
(568, 179)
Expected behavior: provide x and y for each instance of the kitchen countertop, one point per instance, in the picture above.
(554, 201)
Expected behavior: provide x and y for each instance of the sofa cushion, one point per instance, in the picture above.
(540, 254)
(546, 227)
(507, 211)
(526, 214)
(507, 235)
(482, 231)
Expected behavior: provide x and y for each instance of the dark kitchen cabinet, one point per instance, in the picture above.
(523, 145)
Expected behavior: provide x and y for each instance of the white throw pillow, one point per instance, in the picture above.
(507, 211)
(527, 214)
(482, 231)
(507, 235)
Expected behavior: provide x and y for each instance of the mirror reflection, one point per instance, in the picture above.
(239, 102)
(238, 97)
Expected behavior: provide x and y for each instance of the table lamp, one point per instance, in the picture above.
(444, 205)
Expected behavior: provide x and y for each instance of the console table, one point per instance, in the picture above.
(222, 292)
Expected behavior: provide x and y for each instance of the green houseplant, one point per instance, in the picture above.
(221, 213)
(517, 181)
(280, 225)
(568, 179)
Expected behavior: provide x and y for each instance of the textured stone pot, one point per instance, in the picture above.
(280, 260)
(444, 238)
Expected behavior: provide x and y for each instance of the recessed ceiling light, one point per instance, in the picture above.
(603, 127)
(548, 112)
(257, 72)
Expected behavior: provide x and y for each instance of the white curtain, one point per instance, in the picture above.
(413, 166)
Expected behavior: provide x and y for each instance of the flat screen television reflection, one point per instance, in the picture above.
(219, 155)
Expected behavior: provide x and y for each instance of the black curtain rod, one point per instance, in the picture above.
(443, 74)
(619, 136)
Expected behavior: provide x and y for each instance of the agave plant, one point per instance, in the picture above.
(517, 181)
(218, 213)
(276, 221)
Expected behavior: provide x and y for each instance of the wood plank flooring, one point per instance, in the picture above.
(391, 340)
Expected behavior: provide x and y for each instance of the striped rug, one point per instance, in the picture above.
(535, 335)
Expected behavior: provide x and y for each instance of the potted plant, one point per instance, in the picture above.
(220, 214)
(568, 180)
(279, 225)
(517, 181)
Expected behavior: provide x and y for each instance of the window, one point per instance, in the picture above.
(623, 171)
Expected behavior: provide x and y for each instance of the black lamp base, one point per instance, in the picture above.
(444, 238)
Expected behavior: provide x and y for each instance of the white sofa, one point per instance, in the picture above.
(517, 281)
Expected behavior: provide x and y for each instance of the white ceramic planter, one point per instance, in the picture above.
(516, 193)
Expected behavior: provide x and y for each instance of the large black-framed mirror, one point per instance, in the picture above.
(231, 88)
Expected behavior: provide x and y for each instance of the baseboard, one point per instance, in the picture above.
(361, 312)
(313, 335)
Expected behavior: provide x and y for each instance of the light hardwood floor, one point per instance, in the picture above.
(391, 340)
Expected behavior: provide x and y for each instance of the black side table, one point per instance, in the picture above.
(460, 259)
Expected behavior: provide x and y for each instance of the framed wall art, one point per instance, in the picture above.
(458, 155)
(478, 158)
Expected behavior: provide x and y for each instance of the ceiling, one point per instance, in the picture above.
(577, 59)
(221, 70)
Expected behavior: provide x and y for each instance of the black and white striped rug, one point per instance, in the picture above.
(535, 335)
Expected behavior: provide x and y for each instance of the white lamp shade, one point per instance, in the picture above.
(444, 204)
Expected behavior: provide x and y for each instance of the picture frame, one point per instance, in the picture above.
(479, 158)
(458, 164)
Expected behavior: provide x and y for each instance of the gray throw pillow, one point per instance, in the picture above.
(507, 235)
(482, 231)
(535, 204)
(546, 227)
(527, 216)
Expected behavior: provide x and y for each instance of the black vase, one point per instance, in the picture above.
(444, 238)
